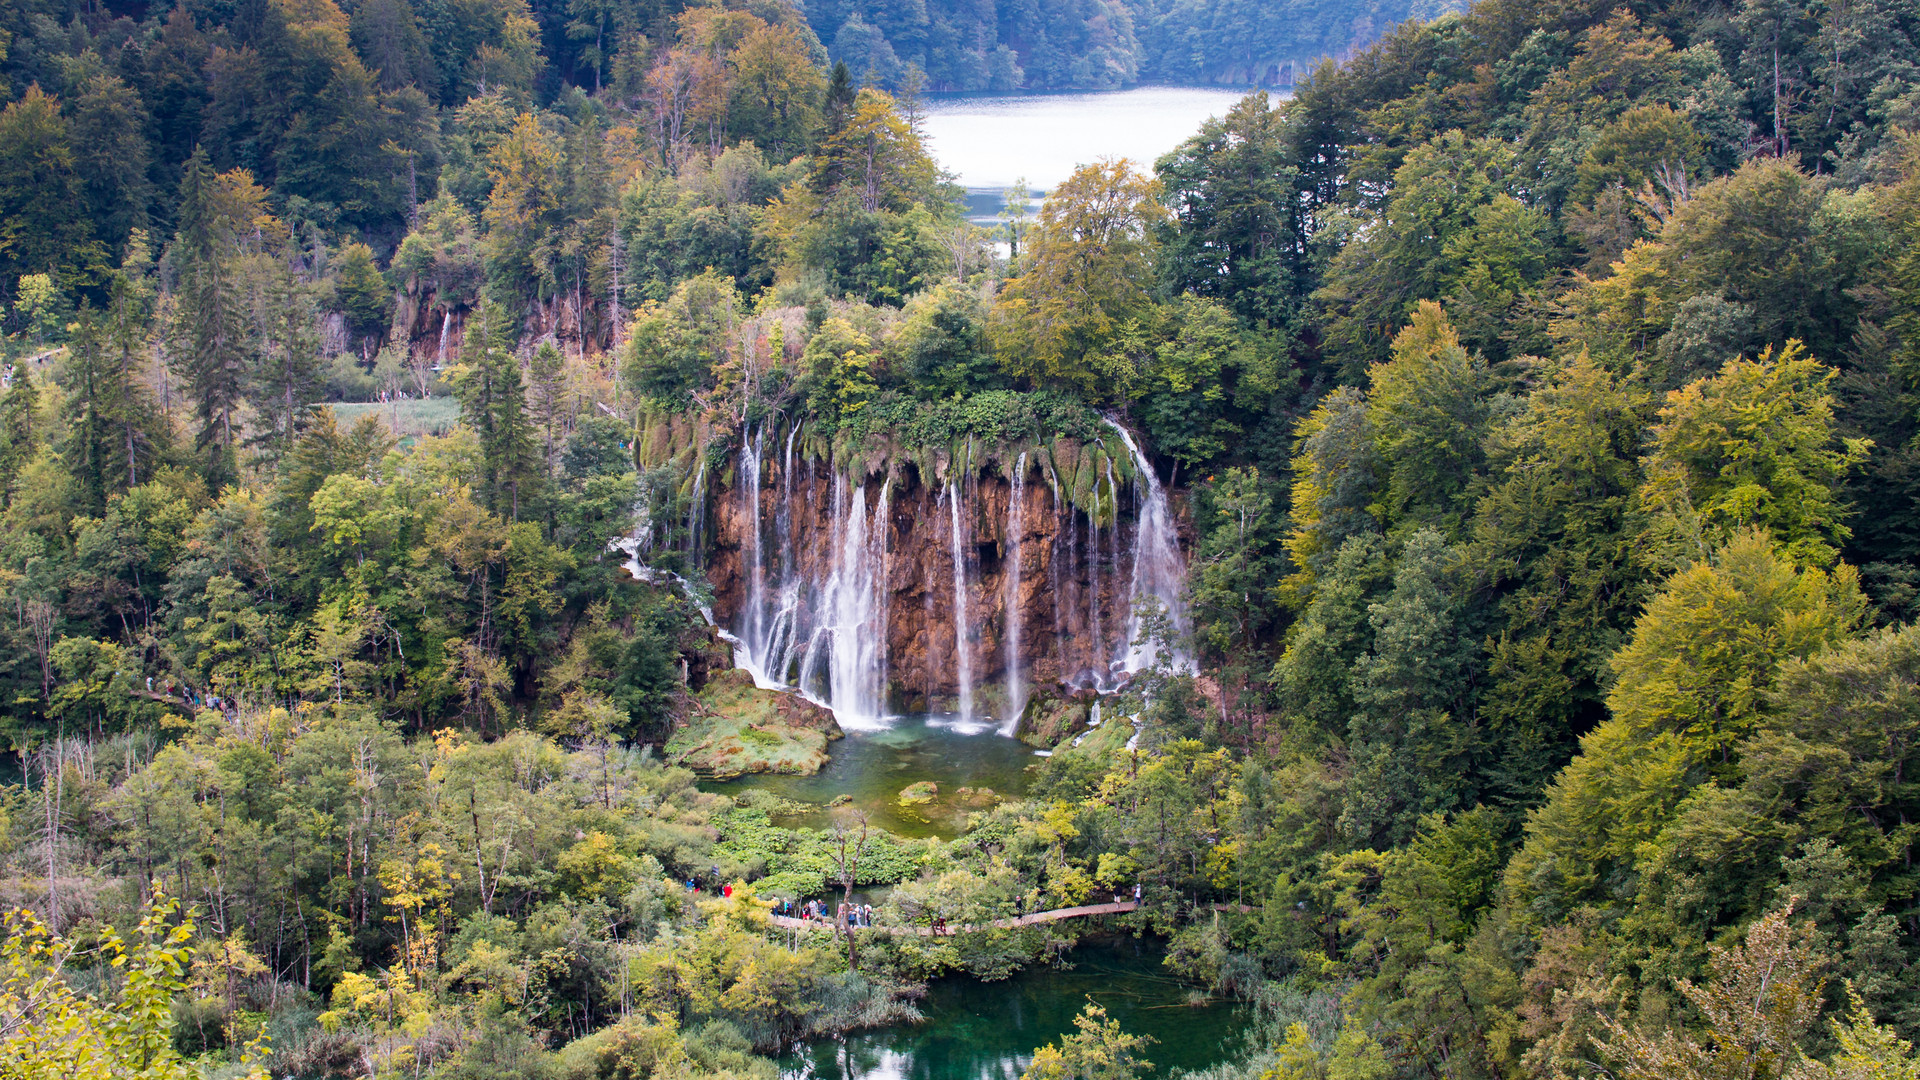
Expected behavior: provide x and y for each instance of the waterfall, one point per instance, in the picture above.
(1094, 631)
(814, 562)
(826, 639)
(1158, 571)
(961, 634)
(446, 328)
(754, 629)
(844, 667)
(697, 511)
(1010, 607)
(765, 636)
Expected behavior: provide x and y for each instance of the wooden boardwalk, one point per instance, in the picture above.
(789, 923)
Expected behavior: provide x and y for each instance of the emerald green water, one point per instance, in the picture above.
(988, 1031)
(873, 767)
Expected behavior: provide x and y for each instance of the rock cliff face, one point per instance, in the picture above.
(895, 591)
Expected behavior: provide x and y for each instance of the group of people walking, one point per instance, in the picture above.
(188, 694)
(844, 915)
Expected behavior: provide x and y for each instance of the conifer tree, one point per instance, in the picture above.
(210, 335)
(493, 402)
(287, 377)
(19, 408)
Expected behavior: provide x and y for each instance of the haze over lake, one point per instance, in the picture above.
(991, 141)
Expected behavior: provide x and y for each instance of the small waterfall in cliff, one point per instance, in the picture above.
(1053, 560)
(446, 330)
(697, 510)
(1016, 525)
(962, 636)
(1158, 570)
(754, 628)
(1094, 629)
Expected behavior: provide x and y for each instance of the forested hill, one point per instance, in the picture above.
(1103, 44)
(1537, 394)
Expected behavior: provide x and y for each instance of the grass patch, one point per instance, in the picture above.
(415, 417)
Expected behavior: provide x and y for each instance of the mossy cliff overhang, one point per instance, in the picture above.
(701, 454)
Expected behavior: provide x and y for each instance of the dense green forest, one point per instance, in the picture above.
(1543, 385)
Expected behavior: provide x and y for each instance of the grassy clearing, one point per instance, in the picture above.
(416, 417)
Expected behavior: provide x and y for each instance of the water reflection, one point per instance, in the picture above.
(988, 1031)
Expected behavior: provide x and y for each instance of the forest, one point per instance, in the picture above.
(1539, 393)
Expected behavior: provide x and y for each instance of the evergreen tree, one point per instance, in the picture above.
(19, 416)
(287, 376)
(493, 402)
(114, 433)
(211, 342)
(1236, 236)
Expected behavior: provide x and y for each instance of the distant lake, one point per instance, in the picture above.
(991, 141)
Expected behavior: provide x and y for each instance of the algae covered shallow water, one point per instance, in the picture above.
(988, 1031)
(873, 767)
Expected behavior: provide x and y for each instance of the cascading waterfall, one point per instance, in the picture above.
(1159, 573)
(813, 579)
(844, 667)
(825, 639)
(765, 637)
(1010, 607)
(962, 636)
(446, 330)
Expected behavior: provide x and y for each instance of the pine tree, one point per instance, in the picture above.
(547, 387)
(493, 402)
(114, 430)
(210, 334)
(19, 407)
(287, 377)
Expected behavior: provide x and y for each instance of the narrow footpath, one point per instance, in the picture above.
(789, 923)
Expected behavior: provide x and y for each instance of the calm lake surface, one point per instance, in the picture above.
(873, 767)
(990, 141)
(988, 1031)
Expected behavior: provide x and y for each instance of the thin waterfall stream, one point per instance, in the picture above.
(1010, 602)
(962, 633)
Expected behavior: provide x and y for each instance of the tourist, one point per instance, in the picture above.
(727, 890)
(866, 913)
(1136, 892)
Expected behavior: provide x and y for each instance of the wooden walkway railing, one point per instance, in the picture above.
(789, 923)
